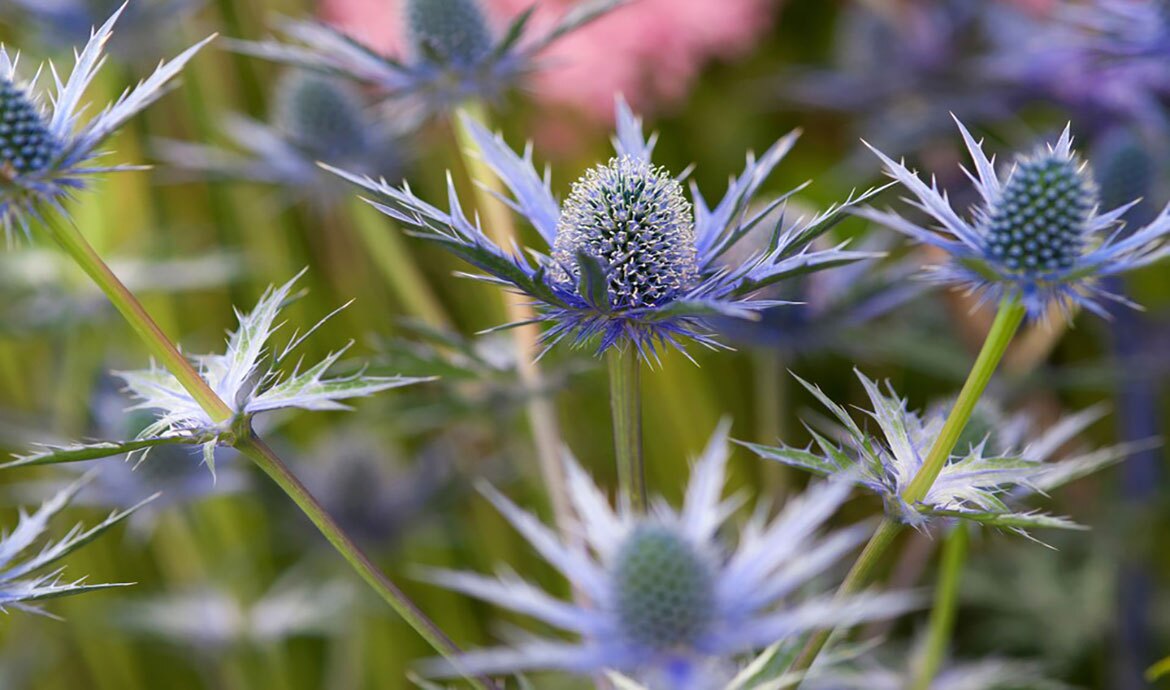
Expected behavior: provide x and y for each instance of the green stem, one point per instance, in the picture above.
(942, 615)
(626, 405)
(75, 244)
(270, 463)
(1007, 321)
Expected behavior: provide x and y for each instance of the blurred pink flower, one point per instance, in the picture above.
(651, 50)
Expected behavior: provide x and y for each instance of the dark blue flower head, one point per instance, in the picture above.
(322, 115)
(630, 262)
(454, 55)
(1037, 235)
(448, 32)
(46, 152)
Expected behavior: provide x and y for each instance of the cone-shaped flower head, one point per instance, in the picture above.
(1038, 227)
(453, 54)
(26, 144)
(669, 603)
(630, 262)
(633, 218)
(321, 114)
(1037, 235)
(448, 31)
(997, 456)
(46, 152)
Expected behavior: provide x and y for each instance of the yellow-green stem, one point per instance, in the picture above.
(499, 226)
(946, 599)
(75, 244)
(626, 405)
(1010, 315)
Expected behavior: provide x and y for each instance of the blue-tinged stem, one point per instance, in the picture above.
(625, 400)
(946, 601)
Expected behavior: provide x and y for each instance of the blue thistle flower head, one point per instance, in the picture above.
(1038, 234)
(453, 54)
(998, 457)
(448, 32)
(46, 151)
(322, 115)
(668, 603)
(629, 261)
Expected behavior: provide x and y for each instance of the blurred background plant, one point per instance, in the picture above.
(237, 203)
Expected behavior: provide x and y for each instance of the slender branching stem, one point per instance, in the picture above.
(625, 399)
(75, 244)
(499, 225)
(942, 615)
(1008, 318)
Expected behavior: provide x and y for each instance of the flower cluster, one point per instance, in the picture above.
(632, 262)
(996, 460)
(668, 603)
(47, 152)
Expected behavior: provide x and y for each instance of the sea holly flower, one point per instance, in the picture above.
(454, 55)
(316, 118)
(1037, 234)
(629, 260)
(21, 586)
(668, 603)
(247, 377)
(47, 152)
(995, 461)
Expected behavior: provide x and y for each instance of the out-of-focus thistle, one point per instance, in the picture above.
(63, 23)
(631, 262)
(1104, 60)
(1037, 236)
(46, 151)
(899, 68)
(247, 377)
(668, 603)
(21, 586)
(996, 460)
(316, 118)
(454, 55)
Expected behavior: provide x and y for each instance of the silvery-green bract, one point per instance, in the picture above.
(669, 598)
(453, 55)
(1037, 234)
(48, 149)
(630, 261)
(986, 674)
(997, 459)
(24, 580)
